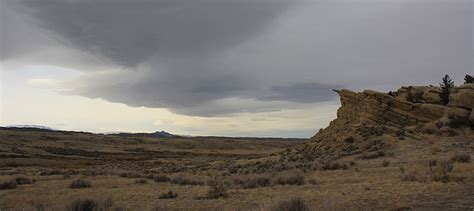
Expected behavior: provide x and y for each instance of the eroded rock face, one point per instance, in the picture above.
(462, 96)
(397, 110)
(370, 117)
(412, 108)
(381, 108)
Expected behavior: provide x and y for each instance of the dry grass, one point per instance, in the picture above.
(253, 169)
(187, 179)
(461, 158)
(80, 183)
(441, 171)
(252, 181)
(218, 189)
(289, 178)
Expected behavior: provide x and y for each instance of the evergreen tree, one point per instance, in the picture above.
(468, 79)
(446, 85)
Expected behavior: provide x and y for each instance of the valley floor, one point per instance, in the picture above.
(217, 173)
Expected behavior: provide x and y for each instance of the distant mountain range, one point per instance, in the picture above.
(157, 134)
(40, 127)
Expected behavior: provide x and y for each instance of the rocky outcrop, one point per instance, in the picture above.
(462, 96)
(405, 109)
(381, 108)
(395, 108)
(369, 123)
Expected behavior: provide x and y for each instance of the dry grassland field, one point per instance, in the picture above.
(57, 170)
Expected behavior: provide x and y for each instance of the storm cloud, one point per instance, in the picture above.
(219, 57)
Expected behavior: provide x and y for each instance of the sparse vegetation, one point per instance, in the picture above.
(333, 166)
(292, 204)
(89, 205)
(409, 175)
(461, 158)
(141, 181)
(7, 185)
(80, 183)
(160, 178)
(186, 179)
(313, 181)
(373, 155)
(457, 122)
(441, 171)
(289, 178)
(217, 189)
(237, 167)
(252, 181)
(24, 180)
(446, 85)
(414, 95)
(168, 195)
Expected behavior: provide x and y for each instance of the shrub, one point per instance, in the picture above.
(432, 165)
(289, 178)
(313, 181)
(89, 205)
(457, 122)
(23, 180)
(333, 166)
(7, 185)
(461, 158)
(385, 163)
(429, 130)
(141, 181)
(217, 189)
(400, 134)
(252, 181)
(76, 184)
(441, 171)
(168, 195)
(414, 95)
(160, 178)
(373, 155)
(293, 204)
(349, 139)
(130, 175)
(411, 175)
(183, 179)
(83, 205)
(446, 85)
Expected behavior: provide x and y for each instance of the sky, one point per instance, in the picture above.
(218, 67)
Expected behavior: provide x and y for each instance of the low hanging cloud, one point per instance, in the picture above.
(220, 57)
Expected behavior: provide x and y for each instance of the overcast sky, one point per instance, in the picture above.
(218, 67)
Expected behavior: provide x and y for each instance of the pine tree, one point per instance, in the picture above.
(468, 79)
(446, 85)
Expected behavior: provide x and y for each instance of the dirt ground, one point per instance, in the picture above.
(132, 173)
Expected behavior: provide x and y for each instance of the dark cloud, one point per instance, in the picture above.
(131, 32)
(218, 57)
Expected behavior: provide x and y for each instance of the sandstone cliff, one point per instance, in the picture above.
(397, 110)
(369, 121)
